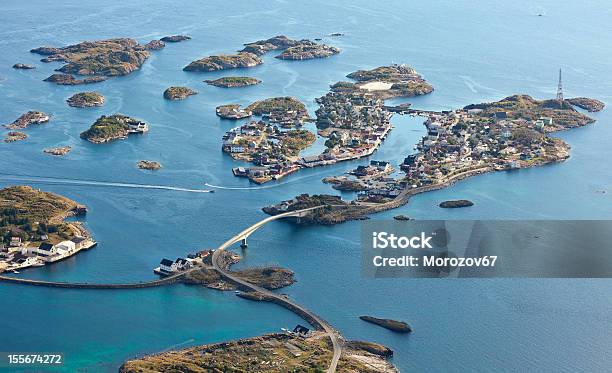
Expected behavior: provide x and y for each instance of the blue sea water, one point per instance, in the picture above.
(470, 51)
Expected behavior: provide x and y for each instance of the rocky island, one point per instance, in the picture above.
(111, 57)
(232, 111)
(396, 326)
(456, 204)
(278, 104)
(15, 136)
(233, 81)
(178, 93)
(69, 79)
(149, 165)
(261, 47)
(307, 50)
(113, 127)
(86, 99)
(155, 45)
(27, 119)
(23, 66)
(270, 353)
(224, 62)
(175, 38)
(58, 151)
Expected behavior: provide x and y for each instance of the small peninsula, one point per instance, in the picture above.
(278, 104)
(86, 99)
(224, 62)
(232, 111)
(589, 104)
(27, 119)
(178, 93)
(233, 81)
(34, 230)
(113, 127)
(155, 45)
(149, 165)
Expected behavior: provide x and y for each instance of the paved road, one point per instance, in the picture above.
(322, 324)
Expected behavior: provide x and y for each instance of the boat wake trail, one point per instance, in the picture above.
(267, 186)
(56, 180)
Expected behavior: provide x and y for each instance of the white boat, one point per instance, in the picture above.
(15, 272)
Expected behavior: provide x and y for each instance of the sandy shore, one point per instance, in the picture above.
(376, 86)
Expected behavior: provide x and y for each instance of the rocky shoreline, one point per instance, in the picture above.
(58, 151)
(27, 119)
(178, 93)
(393, 325)
(224, 62)
(233, 81)
(113, 127)
(69, 79)
(13, 136)
(149, 165)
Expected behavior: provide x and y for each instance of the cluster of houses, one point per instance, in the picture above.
(463, 140)
(18, 256)
(355, 123)
(262, 144)
(168, 267)
(137, 126)
(233, 112)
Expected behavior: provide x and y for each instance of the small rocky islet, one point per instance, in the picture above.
(224, 62)
(175, 38)
(149, 165)
(307, 50)
(233, 81)
(178, 93)
(86, 99)
(58, 151)
(393, 325)
(27, 119)
(23, 66)
(13, 136)
(69, 79)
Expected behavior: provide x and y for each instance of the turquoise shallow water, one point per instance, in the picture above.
(470, 52)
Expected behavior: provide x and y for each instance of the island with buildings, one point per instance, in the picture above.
(272, 150)
(114, 127)
(86, 99)
(352, 117)
(33, 232)
(508, 134)
(232, 111)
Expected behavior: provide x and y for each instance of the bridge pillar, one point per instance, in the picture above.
(243, 243)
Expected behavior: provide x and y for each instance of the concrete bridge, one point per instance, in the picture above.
(241, 237)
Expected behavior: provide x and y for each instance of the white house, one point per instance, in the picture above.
(65, 247)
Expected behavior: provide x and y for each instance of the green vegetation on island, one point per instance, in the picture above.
(588, 104)
(224, 62)
(86, 99)
(260, 47)
(33, 215)
(274, 104)
(270, 353)
(109, 57)
(390, 81)
(233, 81)
(307, 50)
(178, 93)
(113, 127)
(561, 113)
(68, 79)
(295, 141)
